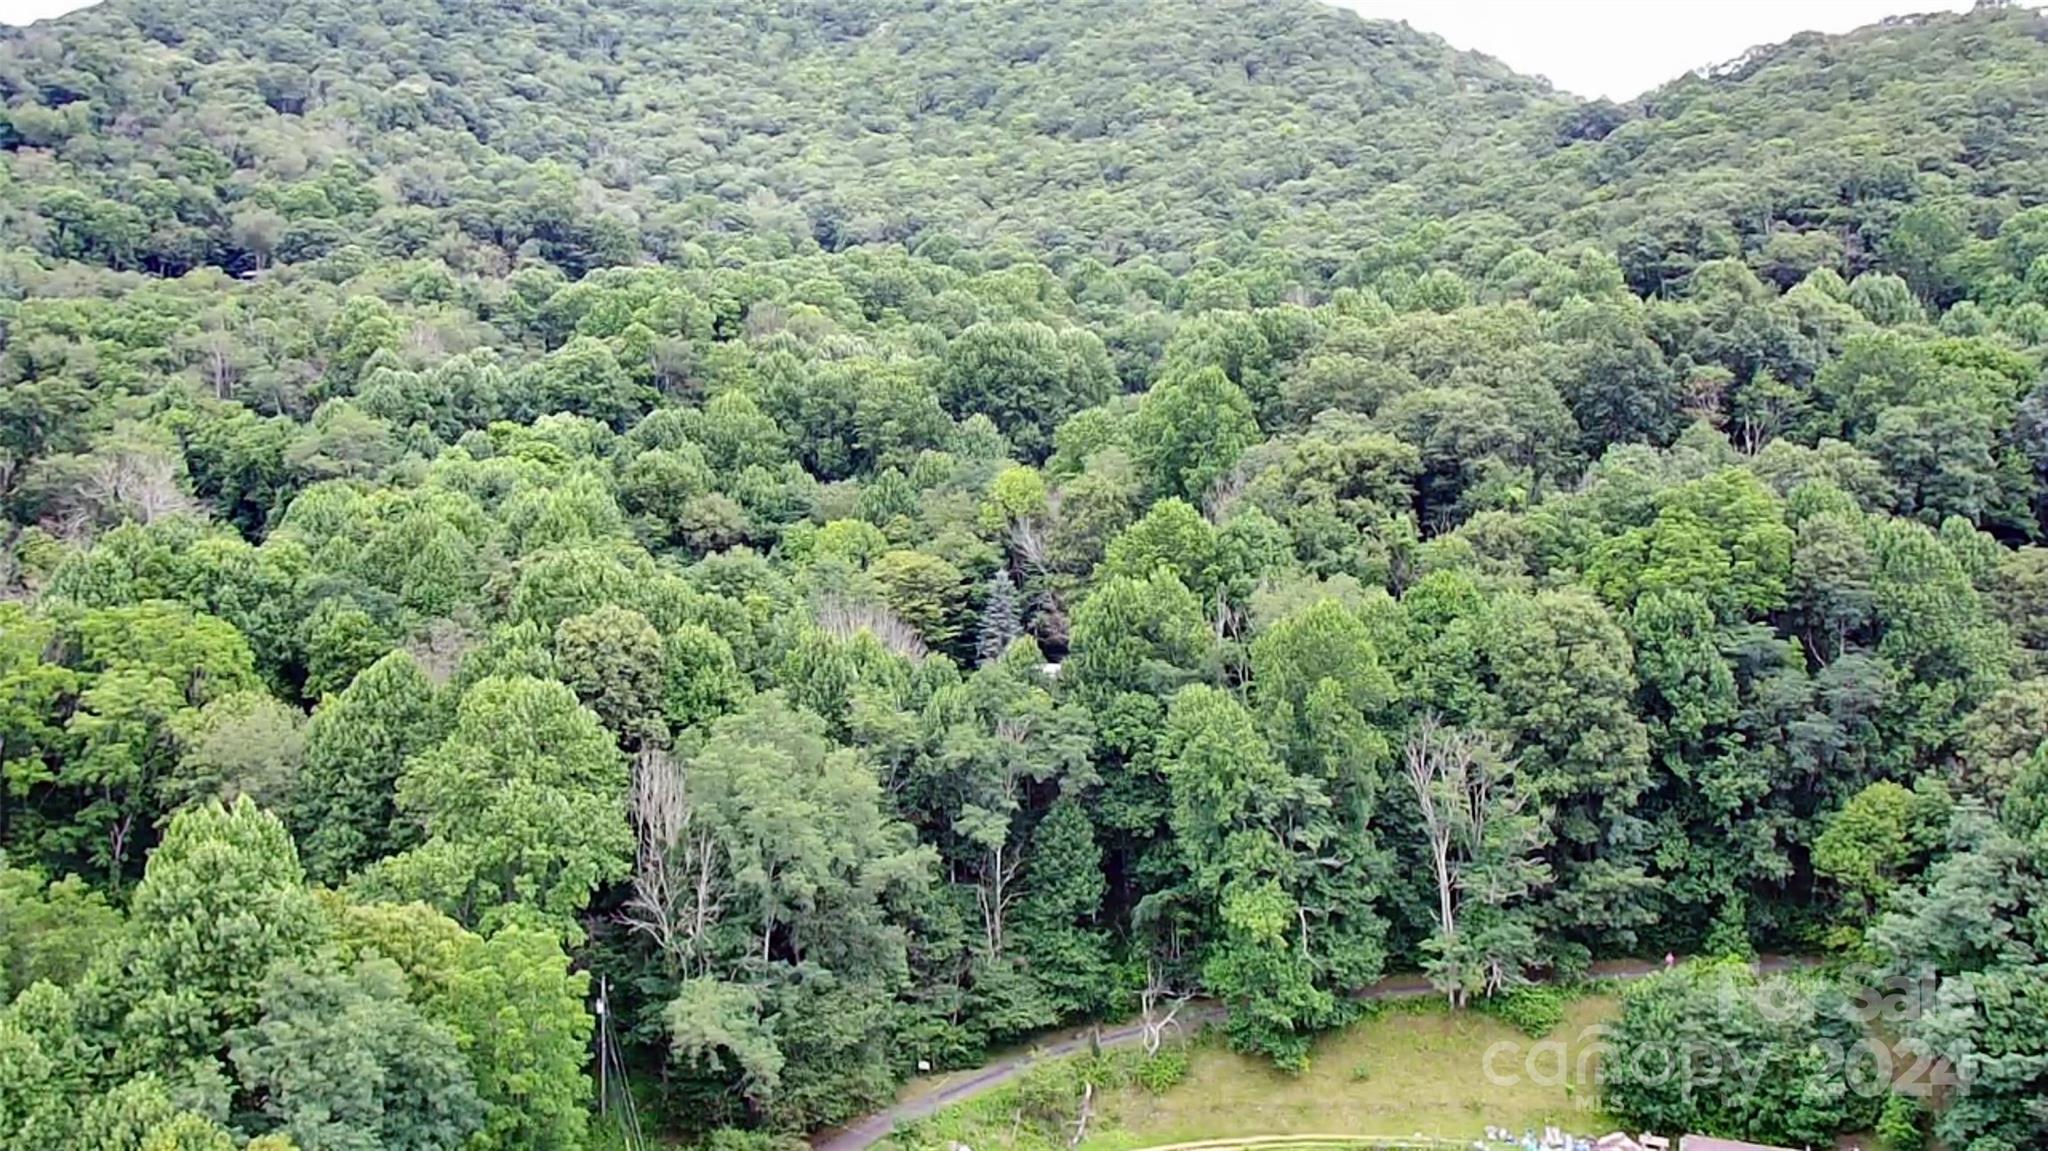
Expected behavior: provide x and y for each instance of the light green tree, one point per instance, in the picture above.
(523, 809)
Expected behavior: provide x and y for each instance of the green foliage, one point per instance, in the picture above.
(222, 900)
(513, 1006)
(1040, 1106)
(343, 1060)
(1710, 1047)
(613, 660)
(1533, 1010)
(1960, 925)
(244, 744)
(1899, 1124)
(736, 1139)
(357, 744)
(39, 1071)
(812, 860)
(517, 1010)
(700, 678)
(1878, 837)
(1025, 376)
(1133, 642)
(1163, 1069)
(924, 591)
(522, 806)
(49, 931)
(188, 1132)
(1190, 431)
(875, 529)
(1233, 805)
(1058, 925)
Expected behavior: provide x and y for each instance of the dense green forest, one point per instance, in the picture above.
(876, 527)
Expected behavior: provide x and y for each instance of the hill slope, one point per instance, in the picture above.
(1112, 128)
(1115, 127)
(877, 529)
(1829, 135)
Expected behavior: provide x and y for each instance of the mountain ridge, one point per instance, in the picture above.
(873, 121)
(870, 529)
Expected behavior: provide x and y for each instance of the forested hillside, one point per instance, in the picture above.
(878, 527)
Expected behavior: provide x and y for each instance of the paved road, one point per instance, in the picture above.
(864, 1133)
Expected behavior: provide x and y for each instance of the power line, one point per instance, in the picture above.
(614, 1087)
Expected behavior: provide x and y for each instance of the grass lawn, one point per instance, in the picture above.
(1414, 1068)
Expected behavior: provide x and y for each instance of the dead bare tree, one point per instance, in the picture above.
(1705, 397)
(117, 845)
(1428, 761)
(1040, 574)
(1452, 787)
(1150, 1019)
(996, 894)
(844, 620)
(1029, 545)
(439, 648)
(1484, 855)
(1087, 1112)
(219, 346)
(142, 484)
(427, 343)
(671, 359)
(12, 587)
(1223, 496)
(676, 898)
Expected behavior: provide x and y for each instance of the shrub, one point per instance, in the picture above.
(1163, 1069)
(1712, 1047)
(1534, 1011)
(735, 1139)
(1898, 1125)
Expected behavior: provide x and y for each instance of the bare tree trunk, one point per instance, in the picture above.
(118, 845)
(1428, 770)
(1453, 791)
(994, 896)
(1087, 1113)
(675, 900)
(704, 908)
(995, 892)
(1154, 1024)
(217, 357)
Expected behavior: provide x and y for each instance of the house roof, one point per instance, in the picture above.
(1708, 1143)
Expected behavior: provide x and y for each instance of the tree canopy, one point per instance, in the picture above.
(866, 530)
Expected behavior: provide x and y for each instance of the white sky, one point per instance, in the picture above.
(1612, 48)
(1622, 48)
(30, 11)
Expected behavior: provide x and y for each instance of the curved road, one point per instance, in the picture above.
(866, 1132)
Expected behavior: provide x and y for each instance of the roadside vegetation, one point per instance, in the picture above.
(1407, 1067)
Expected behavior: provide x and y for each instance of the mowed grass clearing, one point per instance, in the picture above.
(1413, 1068)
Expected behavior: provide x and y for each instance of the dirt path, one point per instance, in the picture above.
(864, 1133)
